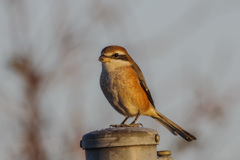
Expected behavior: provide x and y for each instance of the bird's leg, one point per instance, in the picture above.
(128, 125)
(135, 119)
(125, 120)
(120, 125)
(133, 123)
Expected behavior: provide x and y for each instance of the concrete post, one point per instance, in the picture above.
(131, 143)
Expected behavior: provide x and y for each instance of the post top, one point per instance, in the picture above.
(121, 136)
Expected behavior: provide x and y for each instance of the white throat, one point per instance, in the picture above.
(114, 64)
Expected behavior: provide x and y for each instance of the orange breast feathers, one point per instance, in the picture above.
(131, 90)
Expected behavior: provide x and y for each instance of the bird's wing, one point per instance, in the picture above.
(143, 83)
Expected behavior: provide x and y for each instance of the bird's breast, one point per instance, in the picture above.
(122, 89)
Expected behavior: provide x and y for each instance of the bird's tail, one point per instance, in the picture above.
(174, 128)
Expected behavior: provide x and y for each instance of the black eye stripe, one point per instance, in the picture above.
(123, 57)
(115, 55)
(119, 57)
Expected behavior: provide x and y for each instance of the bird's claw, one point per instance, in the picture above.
(126, 125)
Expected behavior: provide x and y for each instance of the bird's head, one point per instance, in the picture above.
(115, 57)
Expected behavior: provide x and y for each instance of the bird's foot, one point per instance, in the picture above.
(126, 125)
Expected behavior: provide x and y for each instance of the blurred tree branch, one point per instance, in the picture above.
(33, 148)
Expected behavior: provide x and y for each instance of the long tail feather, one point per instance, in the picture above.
(173, 127)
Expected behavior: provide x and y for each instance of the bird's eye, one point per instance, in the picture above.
(116, 55)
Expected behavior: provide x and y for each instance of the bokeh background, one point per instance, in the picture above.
(49, 73)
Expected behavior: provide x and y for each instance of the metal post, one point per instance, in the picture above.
(131, 143)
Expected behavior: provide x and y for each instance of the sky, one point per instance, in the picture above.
(187, 50)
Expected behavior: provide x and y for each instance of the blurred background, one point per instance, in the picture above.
(49, 73)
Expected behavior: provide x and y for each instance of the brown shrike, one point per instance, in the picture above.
(124, 86)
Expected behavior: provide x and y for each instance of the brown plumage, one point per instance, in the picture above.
(124, 86)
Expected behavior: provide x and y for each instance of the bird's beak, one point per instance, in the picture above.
(104, 59)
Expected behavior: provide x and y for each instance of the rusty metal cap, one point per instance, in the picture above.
(121, 136)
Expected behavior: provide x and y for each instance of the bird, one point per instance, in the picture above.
(124, 86)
